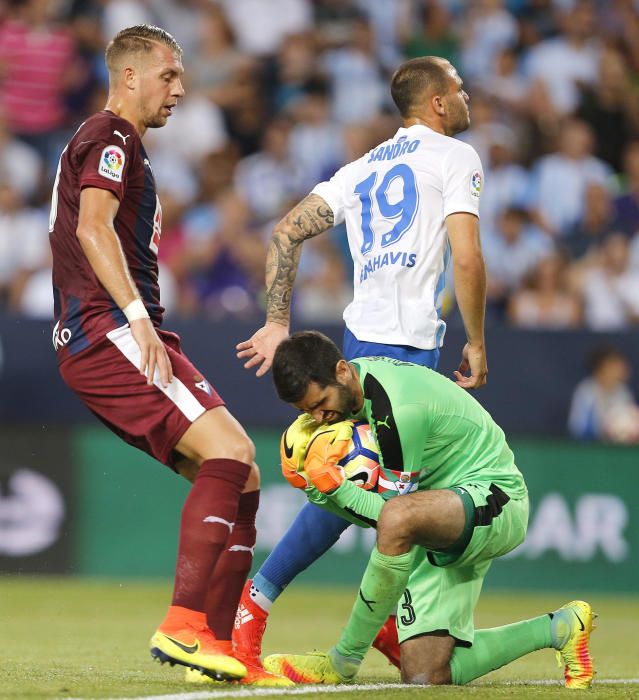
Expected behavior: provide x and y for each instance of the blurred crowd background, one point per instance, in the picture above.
(281, 93)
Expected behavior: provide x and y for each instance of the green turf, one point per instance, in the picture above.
(88, 639)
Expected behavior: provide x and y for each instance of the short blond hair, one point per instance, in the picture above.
(140, 39)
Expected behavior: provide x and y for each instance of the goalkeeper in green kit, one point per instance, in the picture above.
(463, 503)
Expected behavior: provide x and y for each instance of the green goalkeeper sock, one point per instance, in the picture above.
(496, 647)
(383, 583)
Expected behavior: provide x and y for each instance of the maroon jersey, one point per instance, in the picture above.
(105, 152)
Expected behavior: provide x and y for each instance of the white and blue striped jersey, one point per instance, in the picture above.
(395, 200)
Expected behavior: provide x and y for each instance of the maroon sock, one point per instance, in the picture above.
(232, 569)
(208, 519)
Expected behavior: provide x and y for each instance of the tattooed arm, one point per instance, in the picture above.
(308, 219)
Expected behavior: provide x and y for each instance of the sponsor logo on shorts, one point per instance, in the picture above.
(111, 163)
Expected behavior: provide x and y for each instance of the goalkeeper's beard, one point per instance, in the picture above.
(346, 401)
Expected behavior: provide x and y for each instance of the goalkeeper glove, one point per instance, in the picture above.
(328, 444)
(293, 450)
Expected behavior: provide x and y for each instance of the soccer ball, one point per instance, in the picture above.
(361, 461)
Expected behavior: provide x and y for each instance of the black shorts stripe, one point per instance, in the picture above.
(495, 503)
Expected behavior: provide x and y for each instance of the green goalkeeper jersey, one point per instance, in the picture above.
(425, 423)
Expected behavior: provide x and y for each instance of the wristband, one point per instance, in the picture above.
(135, 311)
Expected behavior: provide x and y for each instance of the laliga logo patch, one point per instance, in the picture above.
(112, 163)
(475, 183)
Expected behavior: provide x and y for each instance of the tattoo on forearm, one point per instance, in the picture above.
(308, 219)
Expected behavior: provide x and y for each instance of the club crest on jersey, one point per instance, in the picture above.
(112, 163)
(475, 183)
(405, 483)
(398, 481)
(202, 384)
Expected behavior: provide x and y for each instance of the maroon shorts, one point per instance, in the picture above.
(107, 379)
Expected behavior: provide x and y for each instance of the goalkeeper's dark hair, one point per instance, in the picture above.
(305, 357)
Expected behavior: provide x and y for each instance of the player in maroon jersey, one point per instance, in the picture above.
(105, 230)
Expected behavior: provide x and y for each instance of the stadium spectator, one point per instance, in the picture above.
(389, 21)
(586, 235)
(356, 85)
(507, 182)
(602, 405)
(223, 258)
(269, 180)
(626, 205)
(330, 50)
(198, 130)
(117, 14)
(489, 28)
(511, 251)
(611, 107)
(505, 84)
(260, 27)
(546, 299)
(610, 288)
(434, 35)
(294, 67)
(218, 61)
(20, 164)
(557, 66)
(323, 289)
(569, 170)
(38, 67)
(23, 245)
(316, 142)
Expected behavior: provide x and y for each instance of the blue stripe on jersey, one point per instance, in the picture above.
(147, 259)
(57, 306)
(118, 317)
(73, 322)
(439, 296)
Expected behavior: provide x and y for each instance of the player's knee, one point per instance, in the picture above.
(393, 528)
(431, 676)
(253, 481)
(241, 448)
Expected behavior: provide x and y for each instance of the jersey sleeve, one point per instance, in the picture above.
(463, 179)
(332, 192)
(103, 164)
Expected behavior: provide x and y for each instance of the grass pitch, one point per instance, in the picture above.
(71, 638)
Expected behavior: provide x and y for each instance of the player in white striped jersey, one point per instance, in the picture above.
(408, 204)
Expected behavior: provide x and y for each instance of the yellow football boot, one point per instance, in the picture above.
(184, 638)
(314, 667)
(571, 627)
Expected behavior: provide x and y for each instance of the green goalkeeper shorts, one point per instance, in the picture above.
(444, 587)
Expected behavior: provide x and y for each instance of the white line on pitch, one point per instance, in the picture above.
(328, 689)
